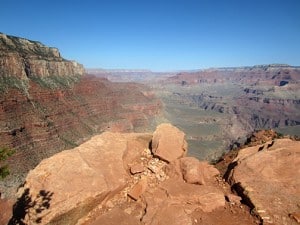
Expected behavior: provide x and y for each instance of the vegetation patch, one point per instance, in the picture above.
(4, 154)
(7, 82)
(56, 82)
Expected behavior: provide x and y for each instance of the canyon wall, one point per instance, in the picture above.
(48, 104)
(221, 106)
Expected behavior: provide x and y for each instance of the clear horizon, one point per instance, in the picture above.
(161, 35)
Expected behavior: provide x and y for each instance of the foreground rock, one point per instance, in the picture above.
(168, 143)
(267, 176)
(73, 182)
(95, 184)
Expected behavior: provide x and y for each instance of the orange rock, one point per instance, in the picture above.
(171, 214)
(270, 179)
(5, 210)
(138, 189)
(296, 216)
(206, 197)
(191, 170)
(71, 183)
(115, 216)
(235, 199)
(208, 171)
(168, 143)
(137, 168)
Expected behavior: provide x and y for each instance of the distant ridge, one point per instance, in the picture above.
(274, 65)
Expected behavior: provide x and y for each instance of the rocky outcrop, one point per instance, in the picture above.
(216, 107)
(47, 104)
(23, 59)
(94, 184)
(272, 74)
(168, 143)
(75, 181)
(267, 177)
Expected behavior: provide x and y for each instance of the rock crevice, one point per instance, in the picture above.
(95, 184)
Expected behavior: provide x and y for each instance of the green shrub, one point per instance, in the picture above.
(4, 154)
(4, 172)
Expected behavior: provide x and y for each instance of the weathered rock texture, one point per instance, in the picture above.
(168, 143)
(47, 104)
(267, 176)
(77, 180)
(23, 58)
(93, 184)
(217, 108)
(269, 99)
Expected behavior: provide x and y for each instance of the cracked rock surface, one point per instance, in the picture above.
(115, 178)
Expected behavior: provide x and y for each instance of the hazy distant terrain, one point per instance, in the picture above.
(218, 108)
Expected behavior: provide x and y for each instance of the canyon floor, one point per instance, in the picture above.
(219, 108)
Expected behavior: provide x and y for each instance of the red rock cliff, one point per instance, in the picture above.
(22, 58)
(47, 104)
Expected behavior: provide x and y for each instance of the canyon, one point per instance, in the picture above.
(48, 104)
(219, 108)
(145, 178)
(95, 146)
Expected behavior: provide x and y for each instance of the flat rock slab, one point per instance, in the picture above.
(66, 186)
(137, 168)
(197, 172)
(138, 189)
(205, 197)
(116, 216)
(269, 176)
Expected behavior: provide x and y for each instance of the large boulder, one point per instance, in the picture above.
(197, 172)
(267, 176)
(65, 187)
(168, 143)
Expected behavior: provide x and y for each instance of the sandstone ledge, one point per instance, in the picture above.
(267, 176)
(93, 184)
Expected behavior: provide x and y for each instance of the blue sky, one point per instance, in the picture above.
(160, 34)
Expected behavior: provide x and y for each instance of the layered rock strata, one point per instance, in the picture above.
(23, 59)
(48, 104)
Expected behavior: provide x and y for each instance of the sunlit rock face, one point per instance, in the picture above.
(48, 104)
(267, 176)
(23, 58)
(94, 184)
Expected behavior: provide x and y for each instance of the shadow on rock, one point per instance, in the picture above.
(33, 207)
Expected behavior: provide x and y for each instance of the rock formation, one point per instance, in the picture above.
(23, 59)
(168, 144)
(94, 184)
(217, 108)
(267, 177)
(48, 104)
(268, 98)
(272, 74)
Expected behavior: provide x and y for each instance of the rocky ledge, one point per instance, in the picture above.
(23, 58)
(133, 178)
(142, 178)
(267, 177)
